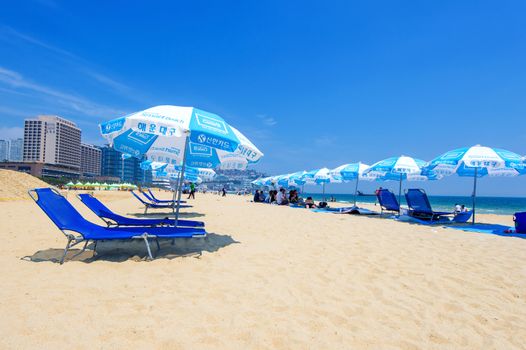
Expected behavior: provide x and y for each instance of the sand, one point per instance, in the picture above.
(14, 185)
(267, 278)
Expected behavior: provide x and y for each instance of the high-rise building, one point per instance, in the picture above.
(15, 150)
(128, 170)
(11, 150)
(90, 160)
(4, 148)
(52, 140)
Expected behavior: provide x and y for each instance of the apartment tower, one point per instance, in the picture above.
(52, 140)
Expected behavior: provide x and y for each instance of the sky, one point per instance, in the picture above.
(312, 83)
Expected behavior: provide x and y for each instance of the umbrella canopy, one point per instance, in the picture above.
(399, 169)
(320, 176)
(478, 161)
(292, 180)
(258, 182)
(399, 166)
(70, 184)
(181, 135)
(206, 174)
(353, 171)
(161, 134)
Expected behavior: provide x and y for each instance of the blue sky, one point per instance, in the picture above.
(312, 83)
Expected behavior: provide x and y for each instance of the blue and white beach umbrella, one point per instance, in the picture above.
(320, 177)
(163, 133)
(353, 171)
(258, 182)
(399, 169)
(478, 161)
(181, 136)
(291, 180)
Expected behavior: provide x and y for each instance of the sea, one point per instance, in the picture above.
(484, 205)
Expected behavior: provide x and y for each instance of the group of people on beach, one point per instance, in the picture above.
(281, 198)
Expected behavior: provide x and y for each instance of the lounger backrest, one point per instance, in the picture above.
(60, 211)
(139, 198)
(147, 196)
(520, 222)
(151, 193)
(94, 204)
(417, 200)
(387, 200)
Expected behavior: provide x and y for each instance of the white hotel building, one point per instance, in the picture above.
(52, 140)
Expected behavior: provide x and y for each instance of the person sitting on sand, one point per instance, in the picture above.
(271, 197)
(458, 208)
(281, 197)
(293, 197)
(257, 197)
(309, 203)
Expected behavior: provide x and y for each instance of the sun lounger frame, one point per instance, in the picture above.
(148, 205)
(383, 206)
(427, 214)
(113, 219)
(74, 240)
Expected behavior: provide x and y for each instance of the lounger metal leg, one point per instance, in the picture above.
(145, 237)
(158, 245)
(82, 251)
(66, 250)
(145, 209)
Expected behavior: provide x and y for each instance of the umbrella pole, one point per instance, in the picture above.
(181, 180)
(324, 192)
(474, 196)
(400, 194)
(174, 193)
(356, 189)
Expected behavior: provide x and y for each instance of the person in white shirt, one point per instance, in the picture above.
(281, 198)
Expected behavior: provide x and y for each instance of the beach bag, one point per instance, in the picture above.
(322, 205)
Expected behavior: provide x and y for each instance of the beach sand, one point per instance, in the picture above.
(268, 277)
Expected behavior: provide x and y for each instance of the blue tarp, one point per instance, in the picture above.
(499, 230)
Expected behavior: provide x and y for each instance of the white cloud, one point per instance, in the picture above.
(268, 121)
(77, 62)
(74, 103)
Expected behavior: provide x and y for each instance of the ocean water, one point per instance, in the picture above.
(484, 205)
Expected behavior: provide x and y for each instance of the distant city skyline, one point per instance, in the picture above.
(311, 84)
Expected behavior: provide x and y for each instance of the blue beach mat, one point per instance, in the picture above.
(345, 210)
(499, 230)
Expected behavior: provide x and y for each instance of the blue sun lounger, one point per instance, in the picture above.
(163, 201)
(113, 219)
(520, 222)
(152, 198)
(148, 205)
(420, 208)
(70, 222)
(387, 200)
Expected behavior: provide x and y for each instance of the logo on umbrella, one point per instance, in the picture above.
(201, 138)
